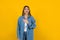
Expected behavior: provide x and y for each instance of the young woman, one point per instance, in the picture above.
(26, 24)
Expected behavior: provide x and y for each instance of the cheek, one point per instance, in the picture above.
(24, 11)
(28, 10)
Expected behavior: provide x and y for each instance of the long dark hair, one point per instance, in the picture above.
(29, 14)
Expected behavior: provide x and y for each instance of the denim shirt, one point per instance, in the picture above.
(30, 26)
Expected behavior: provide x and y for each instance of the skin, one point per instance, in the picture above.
(26, 11)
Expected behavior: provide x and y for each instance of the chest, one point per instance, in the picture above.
(29, 20)
(22, 22)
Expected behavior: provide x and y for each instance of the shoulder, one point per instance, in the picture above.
(31, 17)
(20, 17)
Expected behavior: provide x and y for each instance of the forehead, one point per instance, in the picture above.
(26, 7)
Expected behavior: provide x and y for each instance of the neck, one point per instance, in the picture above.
(26, 15)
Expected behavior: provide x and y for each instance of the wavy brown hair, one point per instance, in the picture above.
(23, 11)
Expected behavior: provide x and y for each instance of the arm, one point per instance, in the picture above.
(32, 25)
(18, 28)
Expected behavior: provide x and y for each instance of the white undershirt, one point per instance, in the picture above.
(25, 27)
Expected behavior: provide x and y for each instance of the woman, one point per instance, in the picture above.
(26, 24)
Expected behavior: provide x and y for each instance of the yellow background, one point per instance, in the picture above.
(46, 13)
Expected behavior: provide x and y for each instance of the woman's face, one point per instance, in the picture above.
(26, 10)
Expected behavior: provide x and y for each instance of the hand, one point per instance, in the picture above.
(18, 39)
(26, 21)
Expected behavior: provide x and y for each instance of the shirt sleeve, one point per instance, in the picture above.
(32, 25)
(18, 28)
